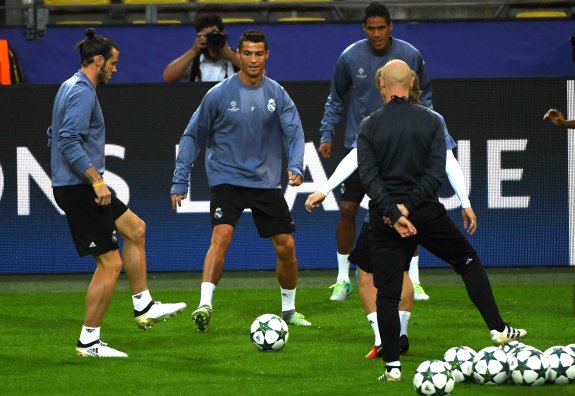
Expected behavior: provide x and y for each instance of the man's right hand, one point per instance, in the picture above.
(177, 200)
(103, 195)
(324, 150)
(200, 43)
(313, 201)
(469, 220)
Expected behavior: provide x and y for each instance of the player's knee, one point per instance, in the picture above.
(347, 213)
(139, 231)
(221, 237)
(285, 247)
(110, 262)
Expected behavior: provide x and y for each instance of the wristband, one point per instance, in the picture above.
(102, 183)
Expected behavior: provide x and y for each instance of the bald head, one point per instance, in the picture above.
(395, 79)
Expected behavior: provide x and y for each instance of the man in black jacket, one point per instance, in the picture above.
(401, 158)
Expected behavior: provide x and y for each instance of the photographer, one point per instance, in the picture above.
(210, 59)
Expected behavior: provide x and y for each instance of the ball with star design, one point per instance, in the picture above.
(561, 365)
(491, 366)
(460, 358)
(269, 332)
(433, 377)
(528, 367)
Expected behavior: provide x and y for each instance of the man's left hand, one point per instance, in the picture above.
(404, 227)
(294, 179)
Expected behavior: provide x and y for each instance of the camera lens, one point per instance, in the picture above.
(216, 40)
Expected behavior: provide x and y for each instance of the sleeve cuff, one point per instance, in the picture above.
(395, 214)
(179, 188)
(326, 137)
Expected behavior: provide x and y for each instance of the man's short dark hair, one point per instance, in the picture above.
(94, 45)
(254, 36)
(208, 20)
(376, 9)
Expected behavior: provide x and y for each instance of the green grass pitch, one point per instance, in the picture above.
(41, 317)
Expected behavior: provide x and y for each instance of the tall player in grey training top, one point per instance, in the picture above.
(245, 122)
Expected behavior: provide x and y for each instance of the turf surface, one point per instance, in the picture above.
(41, 318)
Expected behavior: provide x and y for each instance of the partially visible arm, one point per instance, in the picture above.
(557, 118)
(229, 55)
(293, 138)
(334, 105)
(344, 169)
(176, 69)
(103, 194)
(425, 85)
(369, 175)
(431, 179)
(75, 125)
(191, 142)
(455, 176)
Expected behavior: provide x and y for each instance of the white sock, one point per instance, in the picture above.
(141, 300)
(372, 317)
(403, 319)
(414, 270)
(342, 267)
(288, 299)
(89, 334)
(396, 364)
(206, 293)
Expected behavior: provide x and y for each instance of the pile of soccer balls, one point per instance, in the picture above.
(516, 362)
(269, 333)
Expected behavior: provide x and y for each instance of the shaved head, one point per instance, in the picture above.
(395, 79)
(396, 72)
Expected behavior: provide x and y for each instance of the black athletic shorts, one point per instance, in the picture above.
(269, 208)
(351, 189)
(92, 226)
(360, 254)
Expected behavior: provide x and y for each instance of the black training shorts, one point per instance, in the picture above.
(92, 226)
(269, 208)
(360, 255)
(351, 189)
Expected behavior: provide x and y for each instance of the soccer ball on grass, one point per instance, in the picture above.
(528, 367)
(460, 359)
(561, 365)
(433, 377)
(269, 332)
(490, 366)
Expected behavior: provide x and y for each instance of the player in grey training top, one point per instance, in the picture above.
(245, 129)
(245, 122)
(353, 77)
(95, 215)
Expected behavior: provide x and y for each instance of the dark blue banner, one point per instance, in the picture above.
(519, 170)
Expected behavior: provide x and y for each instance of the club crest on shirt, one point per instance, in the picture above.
(234, 106)
(361, 73)
(271, 105)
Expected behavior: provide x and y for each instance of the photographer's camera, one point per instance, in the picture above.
(216, 40)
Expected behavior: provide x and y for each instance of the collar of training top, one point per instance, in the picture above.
(399, 99)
